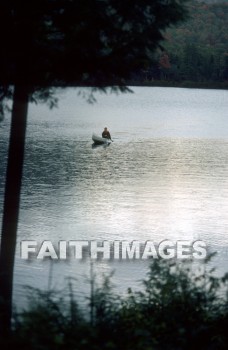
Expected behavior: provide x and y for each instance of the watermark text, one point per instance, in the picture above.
(112, 250)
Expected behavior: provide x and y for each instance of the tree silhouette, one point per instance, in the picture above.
(61, 43)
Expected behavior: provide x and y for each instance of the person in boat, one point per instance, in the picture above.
(106, 134)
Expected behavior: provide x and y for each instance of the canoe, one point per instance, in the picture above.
(98, 140)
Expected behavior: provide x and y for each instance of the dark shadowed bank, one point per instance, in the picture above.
(176, 309)
(183, 84)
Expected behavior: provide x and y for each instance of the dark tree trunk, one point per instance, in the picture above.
(11, 204)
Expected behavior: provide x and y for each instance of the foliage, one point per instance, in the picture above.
(59, 43)
(180, 307)
(6, 94)
(89, 42)
(197, 48)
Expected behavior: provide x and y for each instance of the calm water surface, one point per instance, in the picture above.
(165, 176)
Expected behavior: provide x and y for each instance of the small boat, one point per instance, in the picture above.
(98, 140)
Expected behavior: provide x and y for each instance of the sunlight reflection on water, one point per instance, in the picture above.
(163, 177)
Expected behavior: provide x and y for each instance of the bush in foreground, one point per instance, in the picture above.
(179, 307)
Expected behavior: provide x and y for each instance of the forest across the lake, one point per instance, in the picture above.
(195, 52)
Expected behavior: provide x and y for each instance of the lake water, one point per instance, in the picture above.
(165, 176)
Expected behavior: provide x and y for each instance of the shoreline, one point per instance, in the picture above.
(182, 84)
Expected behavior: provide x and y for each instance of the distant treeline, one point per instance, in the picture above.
(195, 50)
